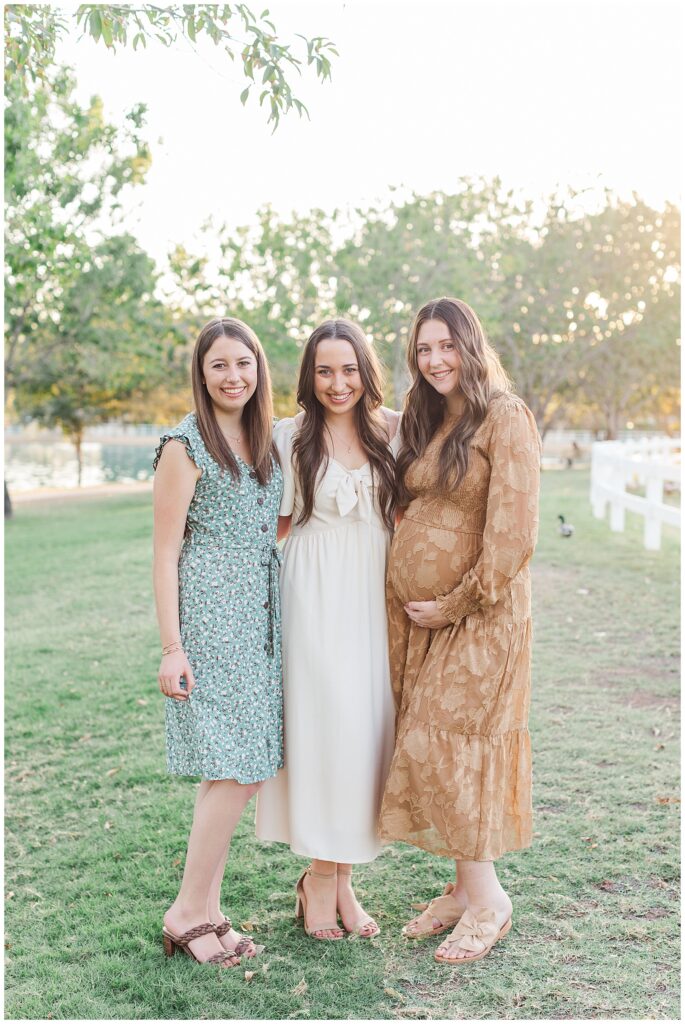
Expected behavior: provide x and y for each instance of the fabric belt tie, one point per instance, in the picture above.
(355, 489)
(271, 560)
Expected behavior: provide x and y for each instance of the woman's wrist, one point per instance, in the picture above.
(172, 648)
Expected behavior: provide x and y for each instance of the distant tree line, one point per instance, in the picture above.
(581, 301)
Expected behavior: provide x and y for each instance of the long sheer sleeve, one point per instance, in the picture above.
(512, 513)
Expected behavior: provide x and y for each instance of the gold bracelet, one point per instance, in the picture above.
(177, 645)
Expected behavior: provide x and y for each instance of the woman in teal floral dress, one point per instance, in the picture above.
(216, 500)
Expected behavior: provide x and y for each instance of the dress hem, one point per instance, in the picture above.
(387, 839)
(243, 781)
(338, 858)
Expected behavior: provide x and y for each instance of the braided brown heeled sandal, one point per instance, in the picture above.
(242, 946)
(179, 943)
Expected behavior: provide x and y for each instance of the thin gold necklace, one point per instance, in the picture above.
(348, 446)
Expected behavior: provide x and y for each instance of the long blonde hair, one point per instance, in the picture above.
(481, 375)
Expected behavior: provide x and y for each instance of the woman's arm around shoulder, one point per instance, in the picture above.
(392, 421)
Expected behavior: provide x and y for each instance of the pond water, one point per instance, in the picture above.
(29, 465)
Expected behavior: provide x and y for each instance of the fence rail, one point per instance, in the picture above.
(649, 463)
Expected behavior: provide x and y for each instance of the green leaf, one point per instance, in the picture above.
(95, 25)
(244, 94)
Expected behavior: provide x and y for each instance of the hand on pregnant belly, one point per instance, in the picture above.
(426, 614)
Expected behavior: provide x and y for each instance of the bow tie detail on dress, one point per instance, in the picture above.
(355, 488)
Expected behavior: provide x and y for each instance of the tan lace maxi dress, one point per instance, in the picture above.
(460, 779)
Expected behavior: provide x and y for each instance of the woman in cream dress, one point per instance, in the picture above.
(339, 709)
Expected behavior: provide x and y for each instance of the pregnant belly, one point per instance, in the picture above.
(427, 561)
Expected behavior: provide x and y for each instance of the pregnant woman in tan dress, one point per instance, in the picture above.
(459, 625)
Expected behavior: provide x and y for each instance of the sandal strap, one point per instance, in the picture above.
(221, 958)
(475, 932)
(193, 933)
(443, 909)
(320, 874)
(243, 945)
(224, 927)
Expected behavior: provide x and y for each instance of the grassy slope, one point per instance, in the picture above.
(96, 830)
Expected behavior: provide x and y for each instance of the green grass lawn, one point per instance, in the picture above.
(96, 829)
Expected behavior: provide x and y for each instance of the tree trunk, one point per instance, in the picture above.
(77, 439)
(8, 503)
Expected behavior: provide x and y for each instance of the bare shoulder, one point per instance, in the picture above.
(392, 421)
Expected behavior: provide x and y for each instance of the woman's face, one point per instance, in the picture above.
(229, 369)
(337, 382)
(437, 357)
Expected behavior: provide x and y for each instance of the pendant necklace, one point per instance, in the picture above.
(347, 446)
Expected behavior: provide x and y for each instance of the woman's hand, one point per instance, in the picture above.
(426, 614)
(171, 669)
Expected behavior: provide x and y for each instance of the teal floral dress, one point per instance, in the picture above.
(231, 726)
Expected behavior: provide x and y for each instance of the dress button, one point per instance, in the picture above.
(264, 528)
(260, 501)
(266, 647)
(266, 604)
(253, 475)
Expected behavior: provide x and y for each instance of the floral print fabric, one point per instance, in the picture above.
(460, 778)
(231, 726)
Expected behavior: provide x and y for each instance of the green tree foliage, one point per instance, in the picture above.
(581, 306)
(84, 330)
(66, 170)
(112, 344)
(268, 63)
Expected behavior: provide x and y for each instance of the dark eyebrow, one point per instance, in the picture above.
(325, 366)
(440, 341)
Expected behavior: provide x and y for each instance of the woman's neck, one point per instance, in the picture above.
(230, 423)
(343, 423)
(455, 403)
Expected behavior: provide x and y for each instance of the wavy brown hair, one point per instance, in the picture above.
(309, 450)
(258, 412)
(481, 376)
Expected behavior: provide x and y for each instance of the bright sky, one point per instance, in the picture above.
(424, 92)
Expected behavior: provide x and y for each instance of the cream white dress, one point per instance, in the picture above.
(338, 703)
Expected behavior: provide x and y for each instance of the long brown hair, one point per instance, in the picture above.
(481, 376)
(309, 450)
(257, 416)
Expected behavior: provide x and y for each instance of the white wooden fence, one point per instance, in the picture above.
(649, 463)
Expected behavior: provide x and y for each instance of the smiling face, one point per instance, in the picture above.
(229, 369)
(337, 381)
(437, 357)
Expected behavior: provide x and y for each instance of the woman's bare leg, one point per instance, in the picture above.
(483, 890)
(351, 910)
(321, 896)
(218, 807)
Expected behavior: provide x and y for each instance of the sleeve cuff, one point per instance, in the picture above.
(456, 605)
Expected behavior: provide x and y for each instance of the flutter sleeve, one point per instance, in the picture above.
(187, 435)
(283, 439)
(512, 512)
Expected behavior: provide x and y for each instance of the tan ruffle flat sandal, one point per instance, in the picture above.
(443, 908)
(475, 934)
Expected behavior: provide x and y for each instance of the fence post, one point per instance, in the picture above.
(617, 512)
(655, 495)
